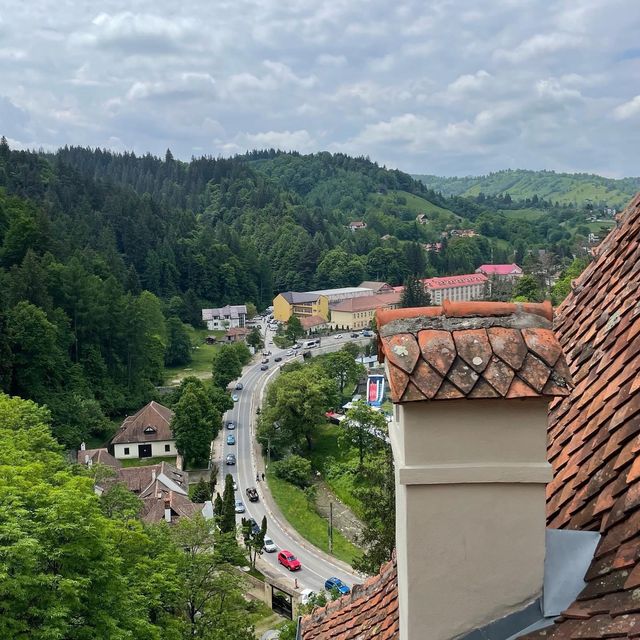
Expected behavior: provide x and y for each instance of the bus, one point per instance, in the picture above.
(309, 344)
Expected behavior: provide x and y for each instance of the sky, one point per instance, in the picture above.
(445, 87)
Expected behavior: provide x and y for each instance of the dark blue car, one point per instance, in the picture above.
(336, 583)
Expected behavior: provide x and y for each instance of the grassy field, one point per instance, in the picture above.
(294, 506)
(326, 448)
(523, 214)
(144, 462)
(414, 204)
(202, 354)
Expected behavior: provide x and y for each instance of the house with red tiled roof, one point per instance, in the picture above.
(505, 271)
(355, 225)
(501, 418)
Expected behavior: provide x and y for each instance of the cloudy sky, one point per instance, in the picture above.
(450, 87)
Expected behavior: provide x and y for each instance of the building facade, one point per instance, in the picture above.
(344, 293)
(228, 317)
(467, 287)
(357, 313)
(301, 305)
(502, 271)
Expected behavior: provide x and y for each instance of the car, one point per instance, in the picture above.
(277, 359)
(235, 484)
(271, 343)
(295, 346)
(338, 337)
(231, 439)
(290, 352)
(240, 506)
(306, 595)
(230, 459)
(252, 494)
(288, 560)
(367, 334)
(269, 545)
(239, 386)
(355, 335)
(235, 397)
(264, 367)
(265, 360)
(255, 527)
(231, 426)
(335, 583)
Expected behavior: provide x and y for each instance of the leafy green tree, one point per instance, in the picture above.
(251, 310)
(527, 289)
(562, 287)
(201, 492)
(255, 339)
(228, 514)
(254, 542)
(192, 428)
(226, 366)
(341, 367)
(294, 329)
(363, 429)
(414, 294)
(118, 502)
(242, 351)
(178, 350)
(294, 469)
(377, 496)
(220, 399)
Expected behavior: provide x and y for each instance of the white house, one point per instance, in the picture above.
(145, 434)
(226, 317)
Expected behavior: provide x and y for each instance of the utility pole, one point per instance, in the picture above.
(268, 452)
(331, 527)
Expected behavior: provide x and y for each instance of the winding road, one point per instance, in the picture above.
(316, 565)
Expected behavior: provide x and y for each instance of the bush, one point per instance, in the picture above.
(294, 469)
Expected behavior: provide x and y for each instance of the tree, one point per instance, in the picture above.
(201, 492)
(178, 350)
(118, 502)
(294, 329)
(255, 339)
(251, 310)
(294, 469)
(527, 289)
(218, 508)
(341, 367)
(414, 294)
(226, 366)
(377, 496)
(254, 542)
(228, 513)
(363, 429)
(220, 399)
(192, 428)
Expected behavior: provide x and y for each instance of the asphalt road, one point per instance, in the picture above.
(315, 567)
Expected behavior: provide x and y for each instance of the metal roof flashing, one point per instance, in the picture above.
(568, 557)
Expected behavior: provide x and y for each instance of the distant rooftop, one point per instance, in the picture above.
(455, 281)
(499, 269)
(340, 291)
(295, 297)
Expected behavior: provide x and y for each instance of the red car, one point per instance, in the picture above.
(287, 559)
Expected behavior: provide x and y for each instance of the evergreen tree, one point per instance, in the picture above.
(201, 492)
(178, 350)
(228, 514)
(414, 294)
(192, 428)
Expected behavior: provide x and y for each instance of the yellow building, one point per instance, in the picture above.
(357, 313)
(301, 305)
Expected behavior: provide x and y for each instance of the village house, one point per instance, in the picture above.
(469, 286)
(432, 247)
(237, 334)
(501, 271)
(145, 434)
(313, 324)
(376, 287)
(481, 460)
(356, 225)
(227, 317)
(422, 218)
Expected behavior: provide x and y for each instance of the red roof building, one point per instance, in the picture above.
(466, 287)
(500, 270)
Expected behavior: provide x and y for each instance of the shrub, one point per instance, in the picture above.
(294, 469)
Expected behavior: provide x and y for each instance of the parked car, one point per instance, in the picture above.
(231, 426)
(230, 459)
(252, 494)
(336, 583)
(288, 560)
(240, 506)
(239, 386)
(235, 397)
(266, 353)
(290, 352)
(295, 346)
(265, 360)
(355, 335)
(277, 359)
(338, 336)
(269, 546)
(367, 334)
(231, 439)
(264, 367)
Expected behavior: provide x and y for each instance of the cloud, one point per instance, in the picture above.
(469, 82)
(300, 140)
(628, 109)
(539, 45)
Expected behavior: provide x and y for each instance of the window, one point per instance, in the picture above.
(126, 451)
(149, 429)
(167, 447)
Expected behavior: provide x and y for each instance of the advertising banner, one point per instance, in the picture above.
(375, 390)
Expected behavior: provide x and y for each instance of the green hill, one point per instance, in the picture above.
(565, 188)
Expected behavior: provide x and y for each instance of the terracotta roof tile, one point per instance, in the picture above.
(479, 350)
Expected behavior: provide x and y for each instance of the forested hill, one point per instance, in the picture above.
(565, 188)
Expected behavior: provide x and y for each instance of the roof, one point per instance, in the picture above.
(594, 435)
(233, 311)
(238, 331)
(447, 282)
(341, 291)
(294, 297)
(98, 456)
(374, 285)
(140, 479)
(152, 416)
(159, 498)
(499, 269)
(369, 611)
(358, 223)
(366, 303)
(312, 321)
(472, 350)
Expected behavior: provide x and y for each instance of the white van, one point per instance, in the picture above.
(309, 344)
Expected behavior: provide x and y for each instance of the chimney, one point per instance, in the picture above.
(471, 383)
(87, 458)
(153, 475)
(83, 446)
(167, 511)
